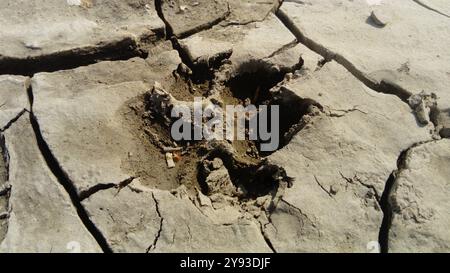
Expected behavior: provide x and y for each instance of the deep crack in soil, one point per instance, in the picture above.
(121, 50)
(65, 182)
(385, 201)
(4, 190)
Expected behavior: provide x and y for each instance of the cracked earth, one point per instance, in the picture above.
(85, 91)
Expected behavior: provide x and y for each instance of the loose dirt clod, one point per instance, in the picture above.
(423, 105)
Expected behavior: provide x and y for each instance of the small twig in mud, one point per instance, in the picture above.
(170, 149)
(3, 104)
(154, 139)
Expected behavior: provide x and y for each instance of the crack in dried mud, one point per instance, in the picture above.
(122, 50)
(5, 187)
(385, 198)
(200, 28)
(384, 86)
(155, 241)
(419, 2)
(68, 185)
(102, 186)
(248, 171)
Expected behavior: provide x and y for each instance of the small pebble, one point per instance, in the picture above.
(169, 159)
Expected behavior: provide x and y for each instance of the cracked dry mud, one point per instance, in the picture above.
(85, 92)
